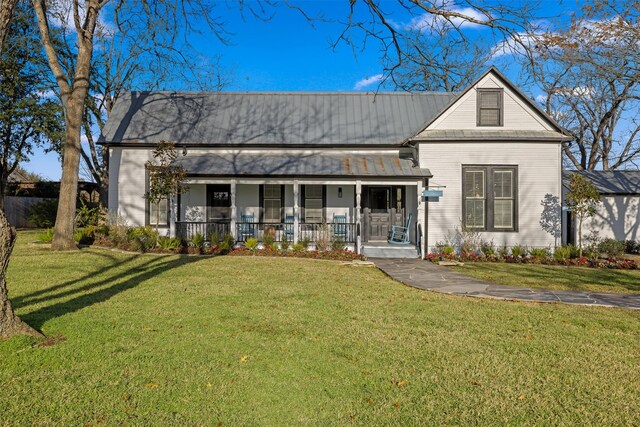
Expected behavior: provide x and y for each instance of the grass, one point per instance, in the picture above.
(167, 340)
(555, 277)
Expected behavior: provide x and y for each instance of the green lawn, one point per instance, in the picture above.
(555, 277)
(151, 340)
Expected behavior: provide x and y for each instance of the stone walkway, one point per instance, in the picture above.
(426, 275)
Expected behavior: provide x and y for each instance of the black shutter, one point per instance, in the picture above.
(147, 211)
(302, 202)
(324, 203)
(261, 203)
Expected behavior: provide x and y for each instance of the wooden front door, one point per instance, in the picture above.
(379, 205)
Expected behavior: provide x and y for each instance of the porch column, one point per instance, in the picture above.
(423, 222)
(296, 211)
(172, 216)
(232, 224)
(358, 223)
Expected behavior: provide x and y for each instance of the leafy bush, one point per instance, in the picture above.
(487, 248)
(503, 251)
(632, 247)
(540, 252)
(338, 245)
(43, 214)
(519, 251)
(269, 237)
(214, 238)
(168, 243)
(141, 238)
(227, 242)
(197, 240)
(305, 243)
(87, 215)
(83, 236)
(563, 253)
(611, 247)
(284, 243)
(298, 247)
(251, 244)
(46, 236)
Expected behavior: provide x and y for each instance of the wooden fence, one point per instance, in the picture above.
(17, 209)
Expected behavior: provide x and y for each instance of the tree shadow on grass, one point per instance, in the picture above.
(96, 291)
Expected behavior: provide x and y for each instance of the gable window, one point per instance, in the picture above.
(313, 203)
(489, 198)
(272, 202)
(490, 107)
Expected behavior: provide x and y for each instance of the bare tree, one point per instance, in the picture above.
(589, 72)
(165, 23)
(6, 14)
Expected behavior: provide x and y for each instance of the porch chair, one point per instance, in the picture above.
(340, 226)
(246, 228)
(399, 234)
(288, 227)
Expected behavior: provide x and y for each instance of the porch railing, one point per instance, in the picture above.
(187, 229)
(346, 232)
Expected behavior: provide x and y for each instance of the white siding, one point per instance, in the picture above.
(248, 200)
(517, 114)
(538, 176)
(127, 184)
(340, 205)
(617, 217)
(193, 204)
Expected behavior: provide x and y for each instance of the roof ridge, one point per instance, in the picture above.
(223, 92)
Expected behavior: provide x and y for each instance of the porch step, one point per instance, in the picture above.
(387, 250)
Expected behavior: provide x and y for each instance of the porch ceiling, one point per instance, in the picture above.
(297, 165)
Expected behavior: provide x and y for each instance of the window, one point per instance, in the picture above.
(490, 107)
(489, 199)
(162, 209)
(272, 200)
(313, 209)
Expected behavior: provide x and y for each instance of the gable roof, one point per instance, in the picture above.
(618, 182)
(479, 133)
(270, 119)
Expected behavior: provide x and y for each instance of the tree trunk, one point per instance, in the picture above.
(6, 14)
(10, 324)
(65, 218)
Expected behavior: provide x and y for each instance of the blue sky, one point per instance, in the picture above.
(287, 53)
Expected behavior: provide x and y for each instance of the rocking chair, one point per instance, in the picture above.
(399, 234)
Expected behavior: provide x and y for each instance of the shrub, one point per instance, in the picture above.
(540, 252)
(214, 238)
(563, 253)
(43, 214)
(519, 251)
(338, 245)
(46, 236)
(284, 243)
(251, 244)
(323, 240)
(87, 215)
(141, 238)
(448, 250)
(83, 236)
(632, 247)
(305, 243)
(503, 251)
(611, 247)
(269, 237)
(197, 240)
(487, 248)
(298, 247)
(227, 242)
(168, 243)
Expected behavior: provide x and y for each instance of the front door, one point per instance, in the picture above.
(218, 203)
(379, 205)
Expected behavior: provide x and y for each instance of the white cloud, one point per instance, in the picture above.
(515, 44)
(428, 21)
(541, 98)
(368, 81)
(60, 15)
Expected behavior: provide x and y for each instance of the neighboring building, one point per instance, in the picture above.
(287, 162)
(618, 215)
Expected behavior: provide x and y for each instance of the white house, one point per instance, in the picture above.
(360, 162)
(618, 213)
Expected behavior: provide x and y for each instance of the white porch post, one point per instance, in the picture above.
(233, 208)
(296, 211)
(358, 223)
(421, 220)
(172, 216)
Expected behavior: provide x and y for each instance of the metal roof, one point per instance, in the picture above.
(490, 135)
(271, 119)
(325, 165)
(610, 182)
